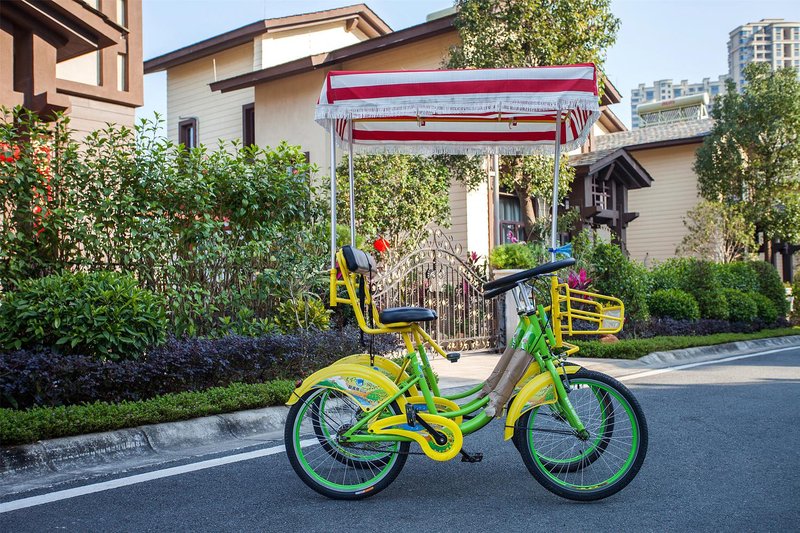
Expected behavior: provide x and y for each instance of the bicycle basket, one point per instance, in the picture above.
(587, 313)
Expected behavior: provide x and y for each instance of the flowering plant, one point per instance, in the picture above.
(579, 280)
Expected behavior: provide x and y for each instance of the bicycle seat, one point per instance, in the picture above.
(394, 315)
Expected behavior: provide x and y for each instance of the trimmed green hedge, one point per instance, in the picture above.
(636, 348)
(38, 423)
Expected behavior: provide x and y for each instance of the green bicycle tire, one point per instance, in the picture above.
(609, 472)
(326, 474)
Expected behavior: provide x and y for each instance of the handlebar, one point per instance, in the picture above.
(500, 286)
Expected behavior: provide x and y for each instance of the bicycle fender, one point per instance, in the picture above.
(381, 364)
(539, 391)
(364, 385)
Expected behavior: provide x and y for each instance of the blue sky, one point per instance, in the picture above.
(679, 39)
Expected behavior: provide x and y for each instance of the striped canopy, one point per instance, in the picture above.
(506, 111)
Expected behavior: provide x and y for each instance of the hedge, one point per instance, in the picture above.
(636, 348)
(38, 423)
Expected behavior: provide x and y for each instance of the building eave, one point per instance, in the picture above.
(419, 32)
(373, 27)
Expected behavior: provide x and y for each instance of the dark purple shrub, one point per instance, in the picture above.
(45, 377)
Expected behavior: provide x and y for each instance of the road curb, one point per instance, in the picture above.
(241, 428)
(730, 348)
(55, 455)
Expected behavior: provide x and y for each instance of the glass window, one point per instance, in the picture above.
(187, 133)
(677, 92)
(649, 95)
(248, 124)
(715, 89)
(511, 227)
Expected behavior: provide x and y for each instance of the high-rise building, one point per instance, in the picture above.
(668, 90)
(773, 41)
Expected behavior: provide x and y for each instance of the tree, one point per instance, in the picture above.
(397, 197)
(718, 232)
(752, 156)
(530, 33)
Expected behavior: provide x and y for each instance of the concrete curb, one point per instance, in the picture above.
(55, 455)
(730, 348)
(247, 428)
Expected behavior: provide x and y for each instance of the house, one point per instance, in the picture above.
(80, 57)
(198, 114)
(282, 91)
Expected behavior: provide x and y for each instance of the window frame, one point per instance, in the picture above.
(182, 125)
(248, 130)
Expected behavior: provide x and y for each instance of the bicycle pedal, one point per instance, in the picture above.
(471, 458)
(453, 356)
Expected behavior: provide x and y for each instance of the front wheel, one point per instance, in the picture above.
(590, 468)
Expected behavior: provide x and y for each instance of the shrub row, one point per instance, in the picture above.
(636, 348)
(46, 377)
(31, 425)
(657, 327)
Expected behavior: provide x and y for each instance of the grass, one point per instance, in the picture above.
(38, 423)
(636, 348)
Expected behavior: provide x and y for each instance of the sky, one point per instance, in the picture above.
(677, 39)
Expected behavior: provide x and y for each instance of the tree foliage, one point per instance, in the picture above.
(225, 235)
(752, 156)
(717, 231)
(530, 33)
(397, 197)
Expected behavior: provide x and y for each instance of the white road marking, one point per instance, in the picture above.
(649, 373)
(141, 478)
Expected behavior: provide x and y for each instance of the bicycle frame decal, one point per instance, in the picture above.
(366, 386)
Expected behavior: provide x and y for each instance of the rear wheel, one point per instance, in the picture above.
(333, 468)
(586, 468)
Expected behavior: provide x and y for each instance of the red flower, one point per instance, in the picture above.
(381, 245)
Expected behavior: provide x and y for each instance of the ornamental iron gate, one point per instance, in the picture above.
(437, 276)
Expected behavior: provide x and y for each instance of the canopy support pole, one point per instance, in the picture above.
(352, 183)
(556, 168)
(333, 194)
(496, 199)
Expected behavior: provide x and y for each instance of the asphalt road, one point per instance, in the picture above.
(724, 456)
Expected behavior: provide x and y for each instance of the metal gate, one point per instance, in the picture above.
(438, 277)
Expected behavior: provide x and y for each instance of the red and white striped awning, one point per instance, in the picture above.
(508, 111)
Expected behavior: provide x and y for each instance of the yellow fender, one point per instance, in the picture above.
(398, 425)
(539, 391)
(364, 385)
(382, 364)
(442, 405)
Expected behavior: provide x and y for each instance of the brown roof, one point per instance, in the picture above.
(634, 175)
(419, 32)
(374, 26)
(687, 132)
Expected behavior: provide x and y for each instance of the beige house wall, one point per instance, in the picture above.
(219, 115)
(277, 47)
(89, 115)
(655, 235)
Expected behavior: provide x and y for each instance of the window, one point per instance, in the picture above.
(187, 133)
(677, 92)
(122, 72)
(715, 89)
(248, 125)
(649, 95)
(510, 217)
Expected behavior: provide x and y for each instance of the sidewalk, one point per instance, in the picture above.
(65, 460)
